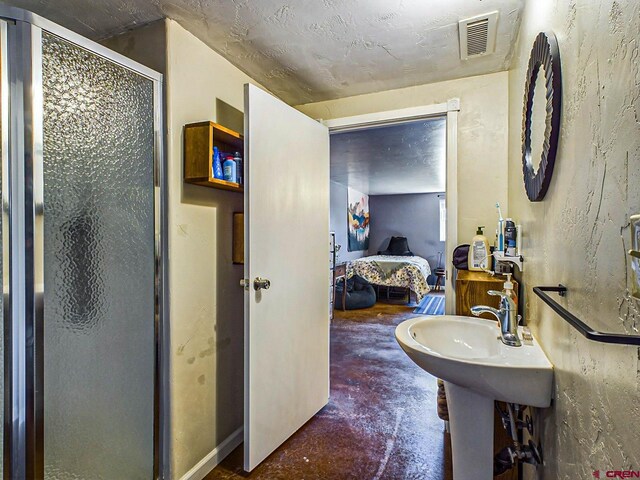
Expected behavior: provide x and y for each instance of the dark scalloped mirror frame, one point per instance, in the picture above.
(544, 53)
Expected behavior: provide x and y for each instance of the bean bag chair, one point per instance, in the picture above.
(360, 294)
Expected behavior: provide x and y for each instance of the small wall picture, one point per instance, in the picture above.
(358, 220)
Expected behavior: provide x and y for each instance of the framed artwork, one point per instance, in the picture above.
(357, 221)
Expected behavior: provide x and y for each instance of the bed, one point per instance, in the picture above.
(410, 272)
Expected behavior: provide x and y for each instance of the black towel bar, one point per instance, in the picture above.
(575, 322)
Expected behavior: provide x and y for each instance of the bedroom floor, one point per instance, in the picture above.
(381, 420)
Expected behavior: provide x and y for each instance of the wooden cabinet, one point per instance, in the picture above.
(472, 288)
(199, 140)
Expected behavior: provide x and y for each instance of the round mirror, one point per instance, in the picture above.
(538, 121)
(541, 116)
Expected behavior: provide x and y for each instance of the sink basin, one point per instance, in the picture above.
(477, 369)
(467, 351)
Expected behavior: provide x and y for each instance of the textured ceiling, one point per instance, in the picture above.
(312, 50)
(389, 160)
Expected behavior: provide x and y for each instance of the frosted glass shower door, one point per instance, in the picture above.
(98, 266)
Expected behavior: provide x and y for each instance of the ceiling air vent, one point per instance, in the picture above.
(478, 35)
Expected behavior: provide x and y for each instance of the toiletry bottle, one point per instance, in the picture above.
(239, 171)
(510, 237)
(479, 254)
(508, 289)
(216, 166)
(229, 168)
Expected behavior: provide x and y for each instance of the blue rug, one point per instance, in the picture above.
(431, 305)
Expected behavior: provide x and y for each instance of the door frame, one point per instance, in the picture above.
(22, 214)
(449, 110)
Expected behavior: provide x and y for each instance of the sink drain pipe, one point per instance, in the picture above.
(506, 458)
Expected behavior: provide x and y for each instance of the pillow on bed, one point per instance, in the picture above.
(397, 246)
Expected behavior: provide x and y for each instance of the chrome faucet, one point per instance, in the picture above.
(507, 316)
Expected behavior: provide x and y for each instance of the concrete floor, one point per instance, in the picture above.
(381, 420)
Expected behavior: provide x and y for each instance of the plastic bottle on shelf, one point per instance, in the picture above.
(216, 166)
(510, 238)
(239, 171)
(229, 169)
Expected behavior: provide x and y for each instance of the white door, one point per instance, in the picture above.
(286, 243)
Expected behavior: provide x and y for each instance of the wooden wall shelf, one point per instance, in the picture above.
(199, 140)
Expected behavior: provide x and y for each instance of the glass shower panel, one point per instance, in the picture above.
(99, 305)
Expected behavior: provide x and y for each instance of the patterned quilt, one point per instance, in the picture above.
(393, 271)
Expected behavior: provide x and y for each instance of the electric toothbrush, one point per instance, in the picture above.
(500, 229)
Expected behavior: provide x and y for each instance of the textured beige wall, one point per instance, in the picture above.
(206, 299)
(146, 44)
(578, 235)
(482, 137)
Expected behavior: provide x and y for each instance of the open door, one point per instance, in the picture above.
(286, 272)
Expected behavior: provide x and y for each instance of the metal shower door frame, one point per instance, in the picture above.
(23, 214)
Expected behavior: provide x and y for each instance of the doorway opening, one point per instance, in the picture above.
(388, 207)
(402, 163)
(393, 222)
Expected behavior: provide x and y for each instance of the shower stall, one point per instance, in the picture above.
(82, 257)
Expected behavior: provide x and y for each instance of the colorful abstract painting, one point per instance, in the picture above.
(358, 220)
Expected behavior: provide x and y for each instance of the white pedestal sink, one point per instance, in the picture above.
(477, 368)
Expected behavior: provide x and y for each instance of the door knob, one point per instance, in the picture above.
(261, 283)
